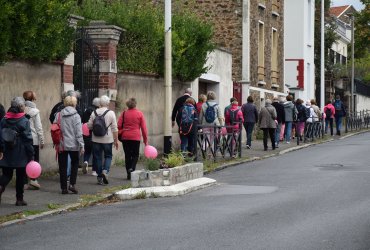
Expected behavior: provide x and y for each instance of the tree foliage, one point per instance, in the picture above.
(141, 48)
(38, 30)
(362, 32)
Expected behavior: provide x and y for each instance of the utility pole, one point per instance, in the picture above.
(167, 141)
(353, 63)
(322, 69)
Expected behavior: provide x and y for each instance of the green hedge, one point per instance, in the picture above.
(35, 30)
(141, 48)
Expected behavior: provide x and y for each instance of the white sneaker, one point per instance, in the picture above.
(85, 167)
(94, 173)
(34, 184)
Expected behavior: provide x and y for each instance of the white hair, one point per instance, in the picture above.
(17, 102)
(96, 102)
(188, 91)
(104, 101)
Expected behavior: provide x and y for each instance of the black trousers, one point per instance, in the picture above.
(131, 149)
(19, 183)
(268, 132)
(63, 161)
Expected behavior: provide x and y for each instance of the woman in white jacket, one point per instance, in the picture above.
(33, 114)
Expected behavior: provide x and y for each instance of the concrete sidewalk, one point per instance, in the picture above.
(49, 196)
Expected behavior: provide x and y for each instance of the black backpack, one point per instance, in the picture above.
(10, 137)
(99, 127)
(233, 114)
(328, 113)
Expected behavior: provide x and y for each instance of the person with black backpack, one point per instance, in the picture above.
(329, 111)
(188, 124)
(103, 124)
(233, 117)
(340, 112)
(302, 116)
(16, 147)
(87, 139)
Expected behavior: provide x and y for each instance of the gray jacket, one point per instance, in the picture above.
(267, 117)
(219, 116)
(289, 108)
(71, 127)
(35, 123)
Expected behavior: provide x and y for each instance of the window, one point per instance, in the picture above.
(261, 51)
(274, 57)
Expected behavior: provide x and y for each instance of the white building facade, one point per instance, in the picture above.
(299, 48)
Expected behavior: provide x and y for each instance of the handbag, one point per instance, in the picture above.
(120, 131)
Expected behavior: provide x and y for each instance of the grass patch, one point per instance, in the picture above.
(153, 195)
(53, 206)
(110, 190)
(11, 217)
(88, 199)
(119, 161)
(32, 212)
(140, 195)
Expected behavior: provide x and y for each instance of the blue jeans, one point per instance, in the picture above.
(288, 131)
(69, 166)
(98, 150)
(187, 143)
(249, 130)
(277, 134)
(338, 123)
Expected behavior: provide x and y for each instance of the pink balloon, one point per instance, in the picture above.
(33, 169)
(85, 130)
(150, 152)
(223, 131)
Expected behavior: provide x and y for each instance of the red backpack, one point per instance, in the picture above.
(56, 133)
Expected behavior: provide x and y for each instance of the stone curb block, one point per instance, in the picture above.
(166, 191)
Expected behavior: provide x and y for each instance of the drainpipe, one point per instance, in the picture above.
(167, 142)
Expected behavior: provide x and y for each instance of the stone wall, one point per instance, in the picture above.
(167, 177)
(149, 93)
(45, 81)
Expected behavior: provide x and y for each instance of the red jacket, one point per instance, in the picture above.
(239, 116)
(330, 106)
(134, 122)
(199, 107)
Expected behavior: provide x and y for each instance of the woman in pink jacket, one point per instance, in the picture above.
(329, 111)
(129, 124)
(232, 118)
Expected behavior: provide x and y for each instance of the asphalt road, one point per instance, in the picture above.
(314, 198)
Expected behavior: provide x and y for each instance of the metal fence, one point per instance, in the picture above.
(357, 121)
(218, 142)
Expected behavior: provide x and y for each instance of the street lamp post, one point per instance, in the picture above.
(353, 63)
(322, 68)
(167, 140)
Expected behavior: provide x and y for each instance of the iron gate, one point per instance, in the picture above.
(86, 68)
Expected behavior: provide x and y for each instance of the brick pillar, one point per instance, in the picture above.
(106, 38)
(67, 67)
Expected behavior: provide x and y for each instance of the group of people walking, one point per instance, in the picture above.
(22, 136)
(281, 118)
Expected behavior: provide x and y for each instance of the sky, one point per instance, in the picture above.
(356, 3)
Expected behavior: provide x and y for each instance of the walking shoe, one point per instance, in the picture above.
(105, 177)
(1, 191)
(248, 147)
(34, 184)
(288, 142)
(20, 203)
(85, 167)
(64, 191)
(100, 180)
(73, 189)
(94, 173)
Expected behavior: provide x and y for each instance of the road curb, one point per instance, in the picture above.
(165, 191)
